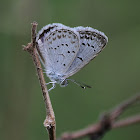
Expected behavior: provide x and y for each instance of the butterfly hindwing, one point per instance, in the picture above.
(92, 43)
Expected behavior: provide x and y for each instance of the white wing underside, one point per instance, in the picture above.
(66, 50)
(92, 42)
(58, 48)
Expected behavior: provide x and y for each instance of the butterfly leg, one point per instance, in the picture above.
(50, 83)
(53, 85)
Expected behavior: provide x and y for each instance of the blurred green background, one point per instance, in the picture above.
(114, 74)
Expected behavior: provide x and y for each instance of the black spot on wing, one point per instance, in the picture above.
(80, 58)
(58, 36)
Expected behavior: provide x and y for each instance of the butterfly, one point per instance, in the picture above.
(63, 50)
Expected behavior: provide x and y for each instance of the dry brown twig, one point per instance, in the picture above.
(49, 122)
(107, 122)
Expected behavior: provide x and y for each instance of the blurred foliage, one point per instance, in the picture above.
(114, 74)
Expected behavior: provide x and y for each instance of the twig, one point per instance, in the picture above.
(122, 107)
(127, 121)
(107, 122)
(49, 122)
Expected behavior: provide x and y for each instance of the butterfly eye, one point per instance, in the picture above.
(64, 83)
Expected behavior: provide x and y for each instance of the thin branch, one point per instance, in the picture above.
(122, 107)
(127, 121)
(49, 122)
(107, 122)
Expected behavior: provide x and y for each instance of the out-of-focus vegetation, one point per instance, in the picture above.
(114, 74)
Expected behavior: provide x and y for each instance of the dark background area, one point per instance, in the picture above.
(114, 75)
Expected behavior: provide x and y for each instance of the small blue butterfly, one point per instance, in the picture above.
(63, 51)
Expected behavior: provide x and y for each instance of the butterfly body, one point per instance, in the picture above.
(57, 78)
(64, 51)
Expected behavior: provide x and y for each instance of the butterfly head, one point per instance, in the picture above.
(64, 83)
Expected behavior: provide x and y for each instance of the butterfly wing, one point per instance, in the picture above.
(57, 47)
(92, 42)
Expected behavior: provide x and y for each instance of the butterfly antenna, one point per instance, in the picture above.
(84, 86)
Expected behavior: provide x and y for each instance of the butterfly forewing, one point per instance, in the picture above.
(92, 42)
(58, 48)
